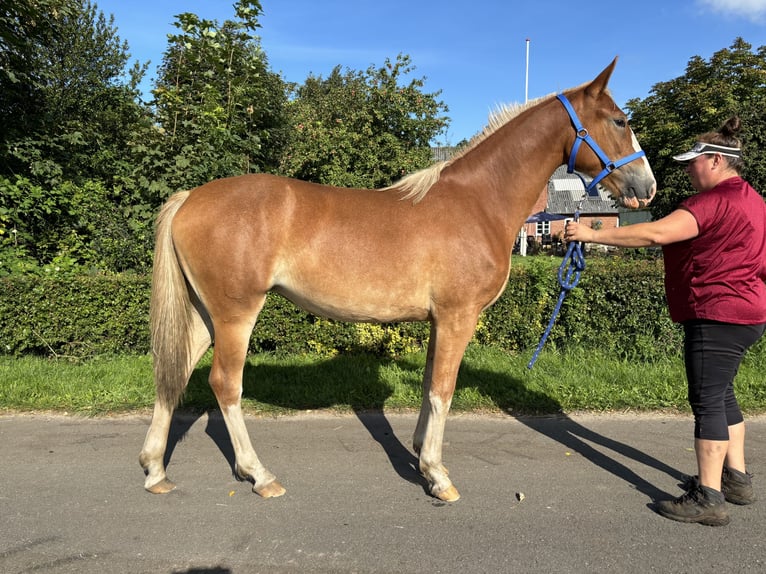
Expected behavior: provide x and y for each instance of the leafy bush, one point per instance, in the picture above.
(73, 227)
(619, 306)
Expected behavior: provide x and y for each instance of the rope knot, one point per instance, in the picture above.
(571, 267)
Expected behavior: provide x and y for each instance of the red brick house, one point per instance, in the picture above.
(561, 197)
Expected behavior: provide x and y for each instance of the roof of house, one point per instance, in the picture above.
(566, 190)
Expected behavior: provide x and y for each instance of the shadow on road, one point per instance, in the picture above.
(358, 383)
(214, 570)
(573, 436)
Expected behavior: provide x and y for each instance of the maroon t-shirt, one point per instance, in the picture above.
(719, 275)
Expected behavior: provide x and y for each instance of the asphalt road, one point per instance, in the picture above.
(566, 494)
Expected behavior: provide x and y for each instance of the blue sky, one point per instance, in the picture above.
(474, 51)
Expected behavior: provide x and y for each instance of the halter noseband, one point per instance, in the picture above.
(584, 136)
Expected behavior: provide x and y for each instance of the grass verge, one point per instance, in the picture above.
(489, 381)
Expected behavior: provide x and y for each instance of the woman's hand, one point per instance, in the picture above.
(576, 232)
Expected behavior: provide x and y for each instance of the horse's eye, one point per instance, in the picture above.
(621, 122)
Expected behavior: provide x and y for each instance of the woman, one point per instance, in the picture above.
(714, 247)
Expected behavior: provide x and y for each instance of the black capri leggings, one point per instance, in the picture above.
(712, 354)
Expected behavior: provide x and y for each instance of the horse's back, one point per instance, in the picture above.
(348, 254)
(330, 250)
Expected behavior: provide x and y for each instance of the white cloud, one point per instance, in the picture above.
(754, 10)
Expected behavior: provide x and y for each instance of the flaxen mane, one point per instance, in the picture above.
(415, 186)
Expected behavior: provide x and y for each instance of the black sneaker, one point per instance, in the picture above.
(736, 486)
(700, 504)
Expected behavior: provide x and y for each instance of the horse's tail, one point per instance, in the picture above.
(170, 311)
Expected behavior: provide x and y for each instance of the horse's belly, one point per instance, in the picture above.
(358, 304)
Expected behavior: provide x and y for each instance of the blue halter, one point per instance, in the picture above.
(584, 136)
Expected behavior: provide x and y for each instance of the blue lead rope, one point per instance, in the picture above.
(569, 276)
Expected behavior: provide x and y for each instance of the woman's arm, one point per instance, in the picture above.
(678, 226)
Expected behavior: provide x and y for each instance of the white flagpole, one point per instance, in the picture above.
(523, 232)
(526, 77)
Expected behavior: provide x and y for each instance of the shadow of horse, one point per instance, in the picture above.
(507, 391)
(357, 382)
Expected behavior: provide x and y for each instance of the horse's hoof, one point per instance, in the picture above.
(162, 487)
(449, 494)
(270, 490)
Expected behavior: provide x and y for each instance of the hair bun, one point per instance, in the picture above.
(731, 127)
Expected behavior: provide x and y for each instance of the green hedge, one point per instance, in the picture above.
(618, 306)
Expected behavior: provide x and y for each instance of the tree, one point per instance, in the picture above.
(732, 82)
(25, 26)
(218, 107)
(69, 109)
(365, 130)
(74, 117)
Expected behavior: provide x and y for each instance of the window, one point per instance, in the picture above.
(543, 228)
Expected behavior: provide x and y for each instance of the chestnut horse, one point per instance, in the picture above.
(436, 246)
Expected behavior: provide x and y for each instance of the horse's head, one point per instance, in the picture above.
(608, 139)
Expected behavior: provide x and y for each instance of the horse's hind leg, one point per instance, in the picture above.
(152, 457)
(226, 381)
(153, 453)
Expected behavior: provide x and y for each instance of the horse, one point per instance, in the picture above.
(434, 246)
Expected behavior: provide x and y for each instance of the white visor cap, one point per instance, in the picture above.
(701, 148)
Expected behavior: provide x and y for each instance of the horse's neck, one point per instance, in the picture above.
(517, 161)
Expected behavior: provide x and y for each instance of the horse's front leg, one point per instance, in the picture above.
(420, 428)
(445, 352)
(226, 381)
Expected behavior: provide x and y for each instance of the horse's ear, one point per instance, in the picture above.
(597, 86)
